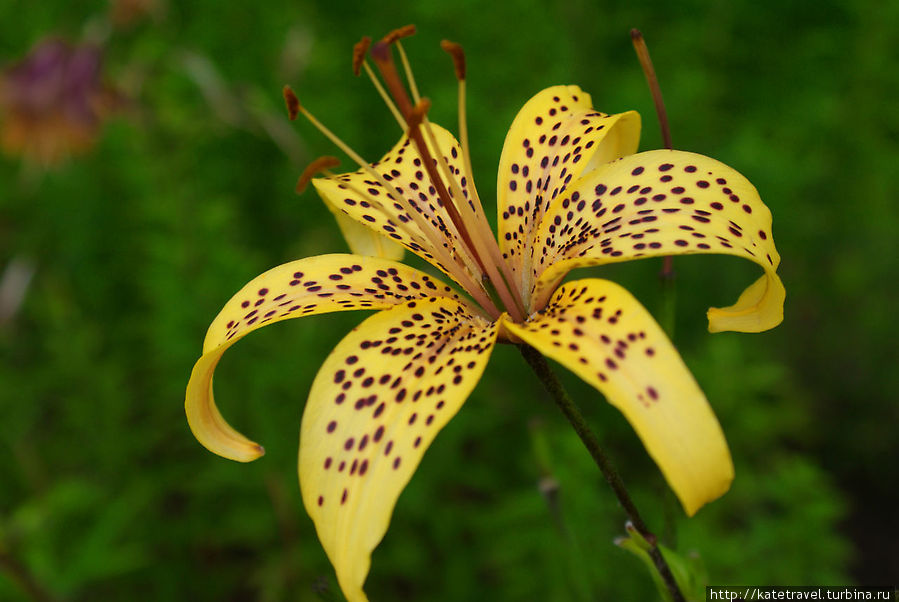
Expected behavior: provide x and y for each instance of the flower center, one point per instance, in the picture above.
(477, 263)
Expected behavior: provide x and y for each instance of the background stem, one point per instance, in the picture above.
(552, 384)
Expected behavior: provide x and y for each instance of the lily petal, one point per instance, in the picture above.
(377, 403)
(365, 199)
(364, 241)
(556, 137)
(599, 331)
(315, 285)
(663, 202)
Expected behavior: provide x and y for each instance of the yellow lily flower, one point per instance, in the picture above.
(572, 193)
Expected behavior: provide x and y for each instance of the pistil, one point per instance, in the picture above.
(458, 55)
(359, 62)
(457, 271)
(384, 61)
(471, 230)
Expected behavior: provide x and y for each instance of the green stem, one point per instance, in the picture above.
(667, 320)
(668, 309)
(554, 387)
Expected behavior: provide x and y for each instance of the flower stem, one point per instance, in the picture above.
(668, 290)
(554, 387)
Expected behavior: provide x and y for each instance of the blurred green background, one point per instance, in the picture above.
(188, 194)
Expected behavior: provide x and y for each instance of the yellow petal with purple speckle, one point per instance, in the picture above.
(365, 241)
(556, 138)
(599, 331)
(365, 199)
(315, 285)
(663, 202)
(377, 403)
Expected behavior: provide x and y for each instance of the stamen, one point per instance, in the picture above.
(415, 118)
(399, 33)
(458, 55)
(394, 37)
(380, 52)
(419, 115)
(651, 79)
(359, 61)
(477, 247)
(292, 102)
(419, 112)
(442, 255)
(322, 164)
(457, 271)
(384, 61)
(477, 243)
(455, 51)
(385, 97)
(359, 51)
(409, 77)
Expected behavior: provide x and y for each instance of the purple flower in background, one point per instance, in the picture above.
(53, 102)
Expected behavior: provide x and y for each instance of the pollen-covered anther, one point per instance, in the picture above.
(458, 56)
(359, 51)
(319, 165)
(399, 33)
(292, 102)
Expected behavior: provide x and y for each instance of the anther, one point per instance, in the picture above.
(458, 55)
(292, 102)
(399, 33)
(319, 165)
(447, 260)
(359, 51)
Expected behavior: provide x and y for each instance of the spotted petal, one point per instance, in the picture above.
(364, 241)
(601, 333)
(664, 203)
(377, 403)
(555, 138)
(315, 285)
(366, 200)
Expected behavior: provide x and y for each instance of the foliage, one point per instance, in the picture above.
(105, 494)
